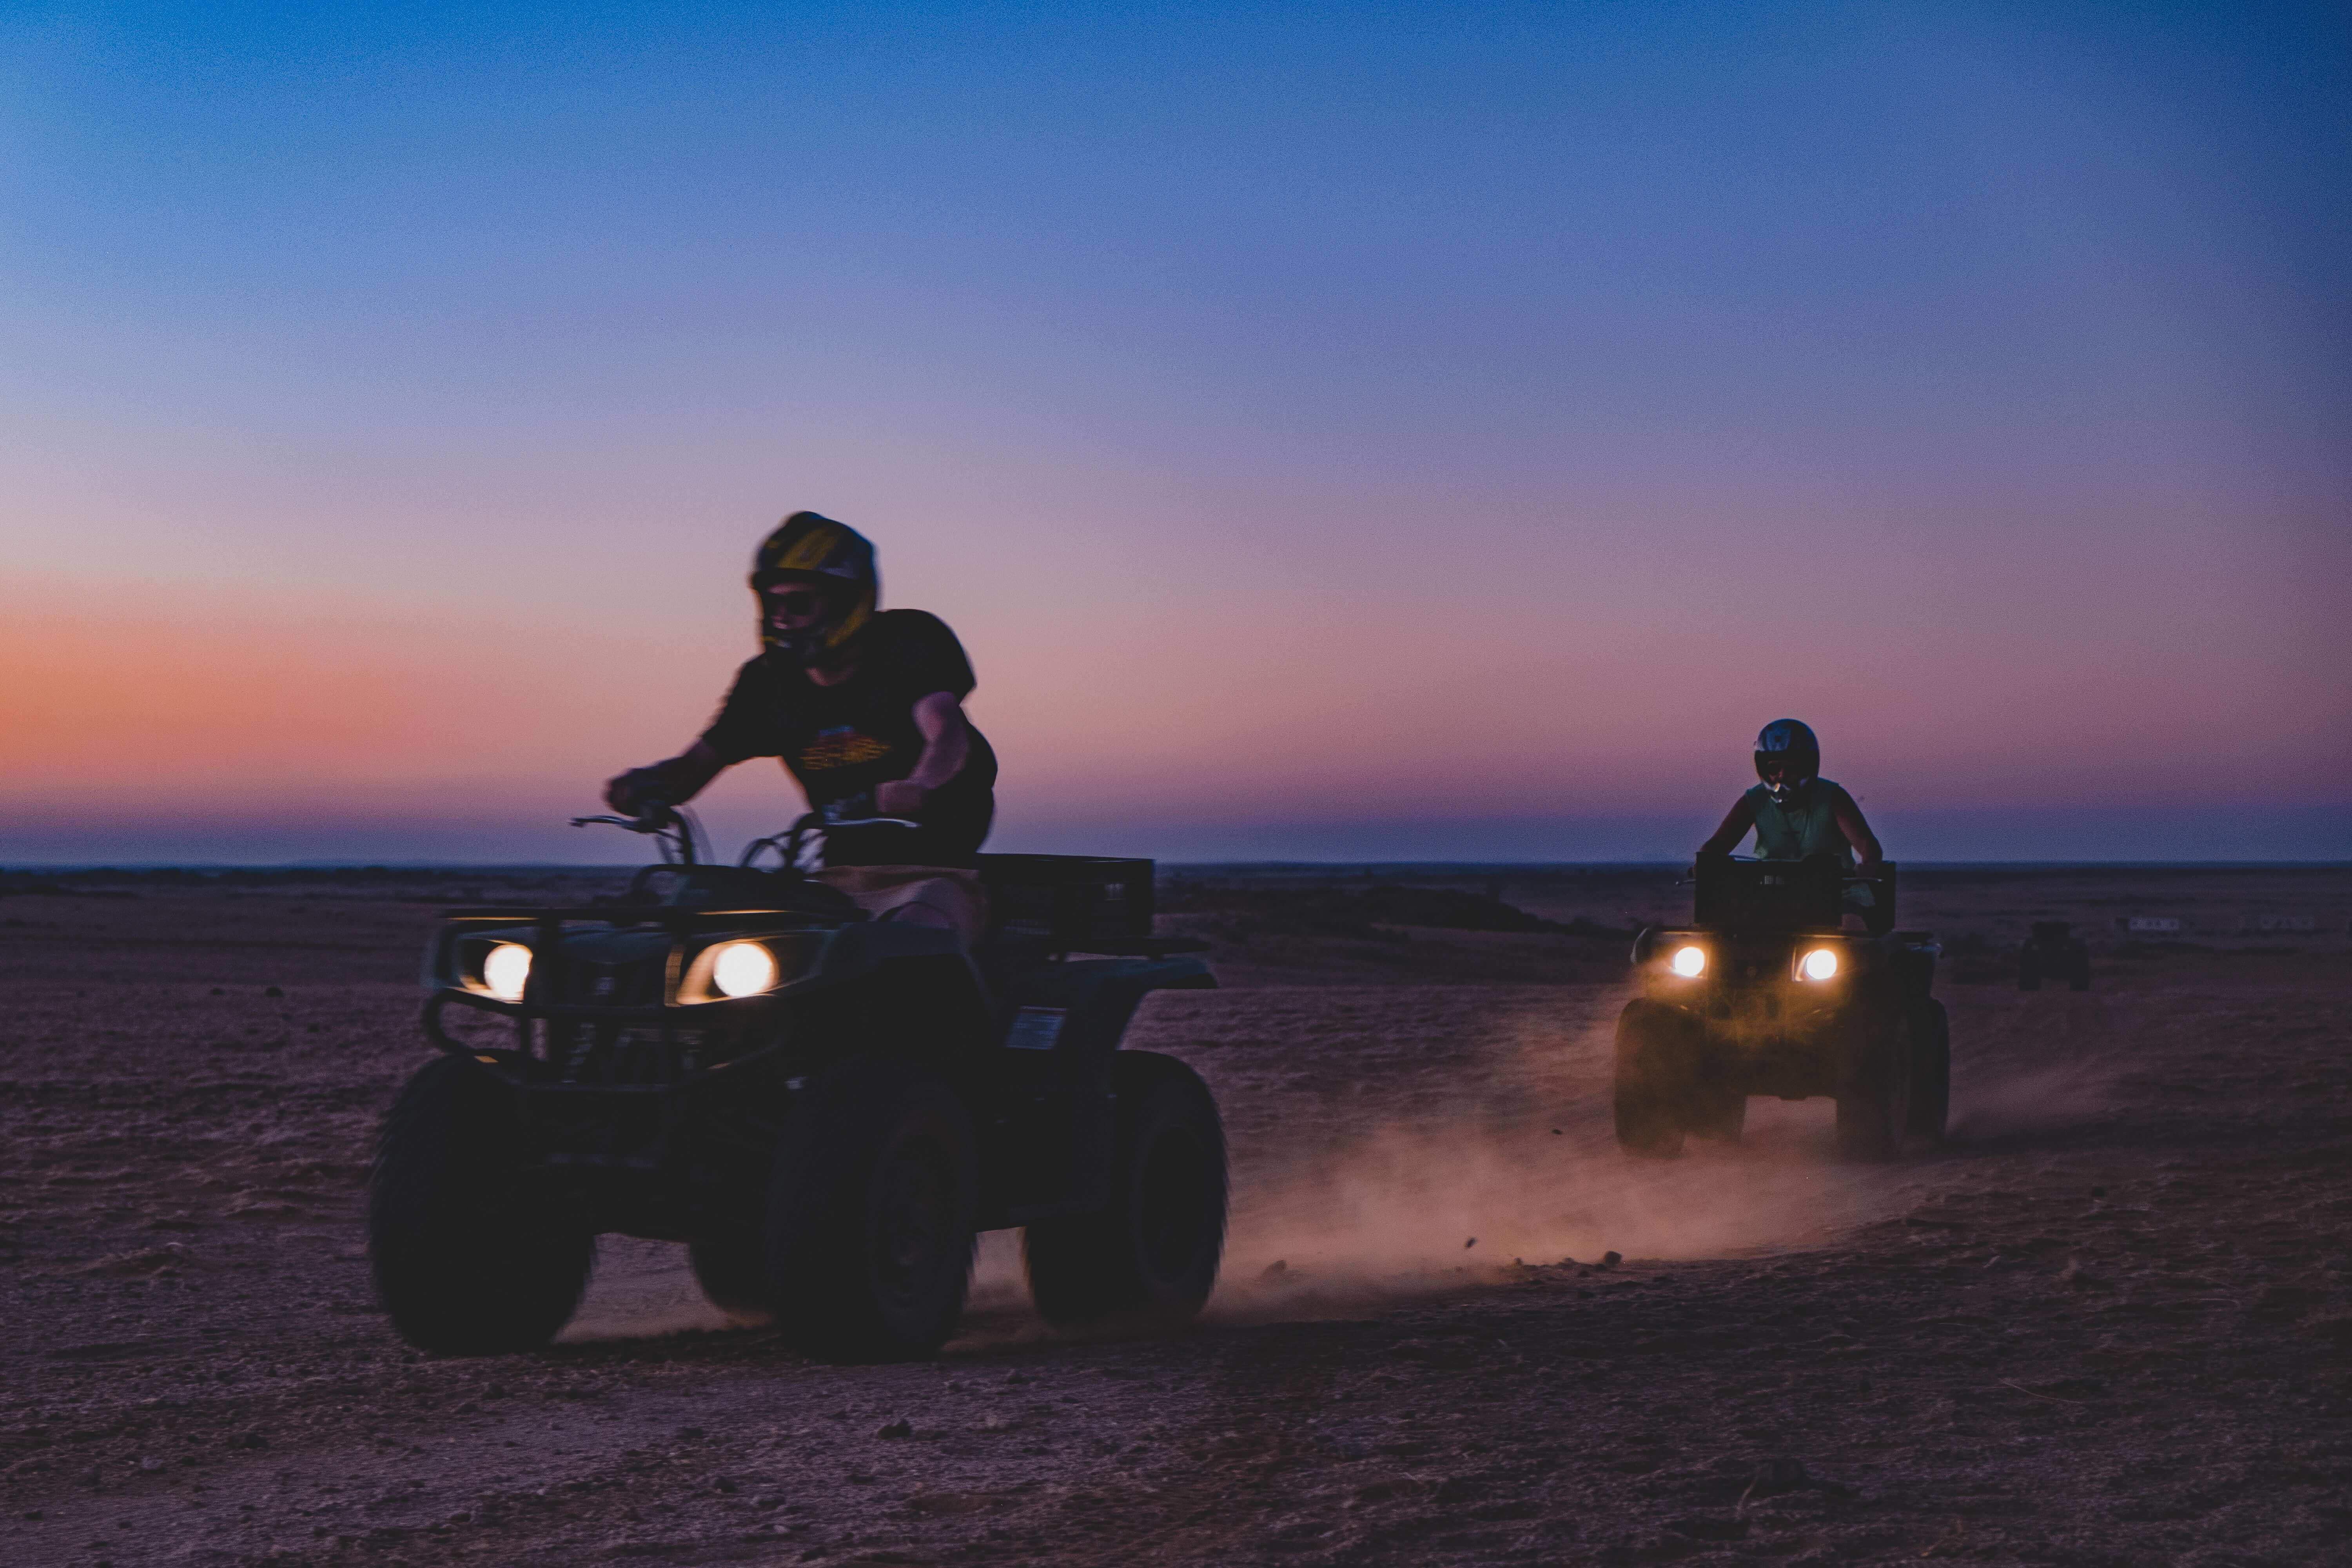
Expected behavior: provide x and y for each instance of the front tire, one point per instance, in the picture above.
(1874, 1107)
(1658, 1061)
(870, 1210)
(1152, 1253)
(465, 1261)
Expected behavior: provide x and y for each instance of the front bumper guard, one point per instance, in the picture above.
(670, 1020)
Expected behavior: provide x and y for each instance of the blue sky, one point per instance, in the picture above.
(1319, 423)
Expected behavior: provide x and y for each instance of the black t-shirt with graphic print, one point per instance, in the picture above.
(840, 741)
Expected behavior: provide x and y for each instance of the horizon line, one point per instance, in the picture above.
(91, 867)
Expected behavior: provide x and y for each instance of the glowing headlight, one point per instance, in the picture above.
(1819, 964)
(742, 969)
(1688, 961)
(507, 970)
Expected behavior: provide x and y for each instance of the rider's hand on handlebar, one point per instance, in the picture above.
(899, 797)
(634, 792)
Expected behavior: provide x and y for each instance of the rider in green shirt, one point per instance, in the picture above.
(1795, 812)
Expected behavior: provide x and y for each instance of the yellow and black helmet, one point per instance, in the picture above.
(833, 556)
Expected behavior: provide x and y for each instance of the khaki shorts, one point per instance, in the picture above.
(923, 895)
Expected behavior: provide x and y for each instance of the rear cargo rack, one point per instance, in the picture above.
(1071, 904)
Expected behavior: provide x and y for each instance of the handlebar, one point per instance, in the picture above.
(792, 843)
(679, 835)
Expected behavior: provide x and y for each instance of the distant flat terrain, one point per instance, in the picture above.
(2112, 1323)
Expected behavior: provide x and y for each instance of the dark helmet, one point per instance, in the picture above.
(1790, 744)
(834, 557)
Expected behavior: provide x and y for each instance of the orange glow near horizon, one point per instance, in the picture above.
(140, 700)
(151, 704)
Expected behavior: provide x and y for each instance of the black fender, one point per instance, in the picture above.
(1055, 1127)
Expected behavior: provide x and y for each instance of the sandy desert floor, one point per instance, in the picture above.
(2112, 1323)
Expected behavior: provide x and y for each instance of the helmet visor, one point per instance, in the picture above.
(1791, 766)
(801, 600)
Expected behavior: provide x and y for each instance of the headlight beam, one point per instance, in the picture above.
(742, 969)
(506, 970)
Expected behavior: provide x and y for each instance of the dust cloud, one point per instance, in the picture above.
(1513, 1165)
(1411, 1212)
(2064, 1066)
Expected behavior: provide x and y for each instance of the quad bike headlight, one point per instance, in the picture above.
(733, 968)
(506, 970)
(1690, 962)
(742, 969)
(1821, 963)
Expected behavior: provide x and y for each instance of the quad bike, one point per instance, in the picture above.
(825, 1108)
(2054, 952)
(1767, 993)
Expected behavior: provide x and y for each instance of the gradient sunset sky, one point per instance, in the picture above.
(1336, 431)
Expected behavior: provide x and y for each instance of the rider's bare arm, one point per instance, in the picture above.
(1867, 850)
(947, 745)
(1735, 824)
(677, 781)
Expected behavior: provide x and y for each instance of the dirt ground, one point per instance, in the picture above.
(2112, 1323)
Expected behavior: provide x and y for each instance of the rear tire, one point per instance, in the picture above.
(1874, 1107)
(870, 1209)
(2078, 971)
(466, 1260)
(1931, 1081)
(1656, 1062)
(2029, 971)
(1152, 1253)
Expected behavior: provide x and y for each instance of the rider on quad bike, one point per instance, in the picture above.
(1790, 979)
(865, 706)
(826, 1083)
(1797, 814)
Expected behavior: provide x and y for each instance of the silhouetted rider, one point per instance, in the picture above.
(865, 706)
(1797, 814)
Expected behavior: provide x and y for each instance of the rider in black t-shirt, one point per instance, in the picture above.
(863, 706)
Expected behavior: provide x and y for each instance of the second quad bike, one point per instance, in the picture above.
(2054, 952)
(1767, 992)
(825, 1108)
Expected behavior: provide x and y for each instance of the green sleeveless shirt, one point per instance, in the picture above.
(1783, 833)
